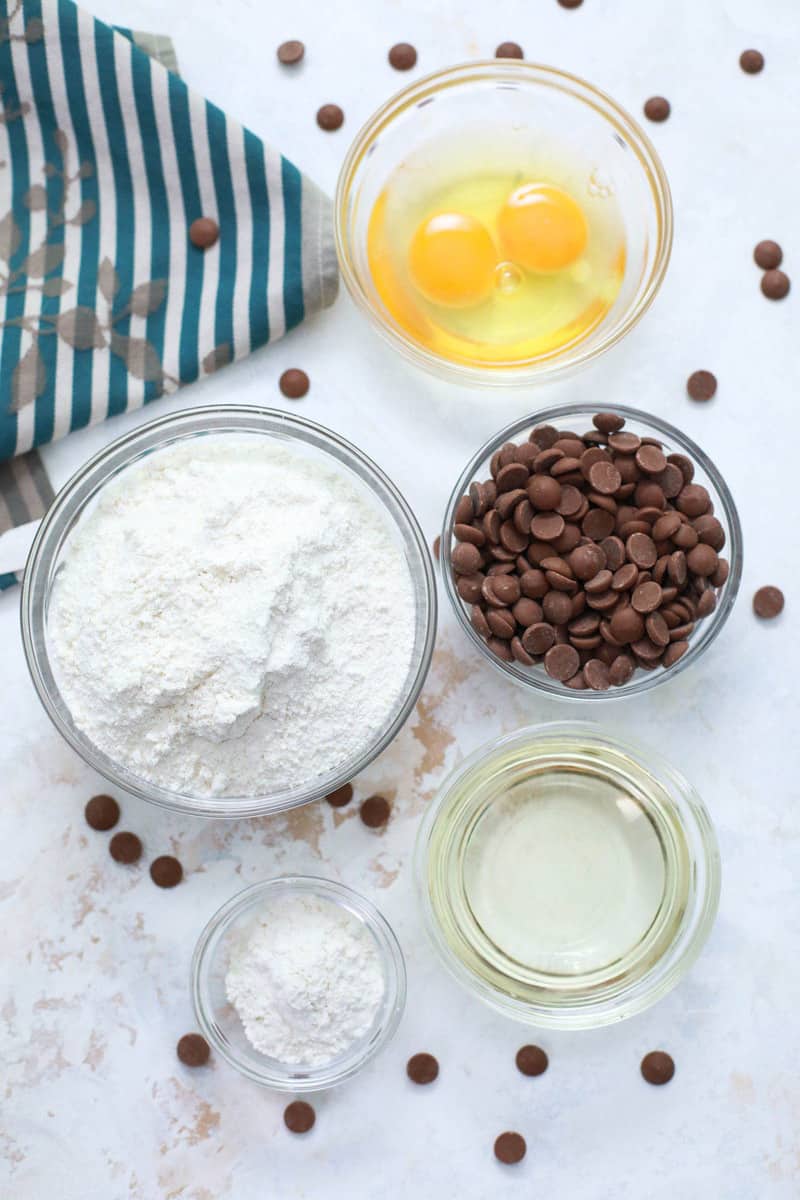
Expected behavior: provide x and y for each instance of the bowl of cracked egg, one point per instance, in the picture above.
(502, 222)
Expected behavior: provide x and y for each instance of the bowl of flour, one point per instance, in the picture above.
(229, 611)
(298, 982)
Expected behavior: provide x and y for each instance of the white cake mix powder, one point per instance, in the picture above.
(231, 617)
(306, 980)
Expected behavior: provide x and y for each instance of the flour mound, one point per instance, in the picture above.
(232, 617)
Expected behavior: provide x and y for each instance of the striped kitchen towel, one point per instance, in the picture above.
(106, 157)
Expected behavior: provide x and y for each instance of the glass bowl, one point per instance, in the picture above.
(312, 440)
(522, 100)
(579, 418)
(219, 1021)
(594, 919)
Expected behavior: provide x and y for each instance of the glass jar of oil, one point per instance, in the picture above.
(567, 878)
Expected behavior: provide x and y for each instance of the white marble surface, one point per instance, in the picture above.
(93, 990)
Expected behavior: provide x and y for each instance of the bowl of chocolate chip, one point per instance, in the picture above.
(591, 554)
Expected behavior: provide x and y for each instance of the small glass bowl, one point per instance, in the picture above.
(579, 418)
(80, 491)
(219, 1021)
(524, 99)
(614, 987)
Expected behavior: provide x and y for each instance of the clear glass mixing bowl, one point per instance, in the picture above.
(652, 962)
(80, 491)
(526, 100)
(219, 1021)
(578, 417)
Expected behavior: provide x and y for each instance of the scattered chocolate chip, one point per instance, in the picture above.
(299, 1116)
(294, 383)
(403, 56)
(375, 811)
(775, 285)
(570, 3)
(437, 547)
(125, 847)
(101, 812)
(531, 1060)
(166, 871)
(203, 232)
(509, 50)
(657, 1067)
(341, 796)
(768, 255)
(768, 602)
(422, 1068)
(510, 1148)
(701, 385)
(751, 61)
(290, 53)
(330, 117)
(193, 1050)
(657, 108)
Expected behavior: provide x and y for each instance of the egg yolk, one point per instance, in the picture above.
(542, 228)
(452, 259)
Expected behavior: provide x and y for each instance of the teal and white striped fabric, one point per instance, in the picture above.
(106, 157)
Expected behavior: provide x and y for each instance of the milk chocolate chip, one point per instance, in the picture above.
(299, 1116)
(193, 1050)
(125, 848)
(509, 1148)
(102, 812)
(422, 1068)
(657, 1067)
(531, 1060)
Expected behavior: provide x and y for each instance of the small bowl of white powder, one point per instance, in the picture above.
(298, 982)
(229, 611)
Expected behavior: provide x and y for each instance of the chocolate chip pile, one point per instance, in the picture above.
(593, 554)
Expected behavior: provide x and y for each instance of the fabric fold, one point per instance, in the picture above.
(106, 158)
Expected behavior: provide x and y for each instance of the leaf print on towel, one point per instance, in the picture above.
(220, 356)
(32, 31)
(83, 328)
(10, 237)
(140, 357)
(80, 328)
(29, 378)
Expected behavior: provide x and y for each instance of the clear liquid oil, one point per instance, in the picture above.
(554, 869)
(498, 251)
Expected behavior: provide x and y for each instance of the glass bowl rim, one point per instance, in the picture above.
(704, 852)
(119, 454)
(647, 679)
(392, 962)
(539, 74)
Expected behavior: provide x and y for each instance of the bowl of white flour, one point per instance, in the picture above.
(298, 982)
(229, 611)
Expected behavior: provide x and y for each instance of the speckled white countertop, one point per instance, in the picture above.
(95, 959)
